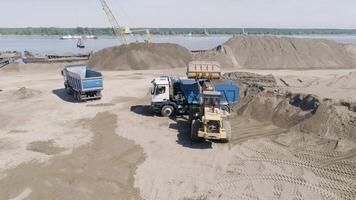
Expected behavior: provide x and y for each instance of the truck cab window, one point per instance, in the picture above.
(160, 89)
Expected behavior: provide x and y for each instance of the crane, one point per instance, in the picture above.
(147, 31)
(120, 31)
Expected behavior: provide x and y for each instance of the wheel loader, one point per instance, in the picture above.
(210, 120)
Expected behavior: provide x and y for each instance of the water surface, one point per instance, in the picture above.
(52, 44)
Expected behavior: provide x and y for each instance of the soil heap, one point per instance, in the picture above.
(301, 113)
(141, 56)
(345, 82)
(25, 93)
(271, 52)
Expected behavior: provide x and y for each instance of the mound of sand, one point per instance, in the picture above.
(351, 48)
(333, 122)
(140, 56)
(347, 81)
(251, 79)
(299, 112)
(45, 147)
(39, 68)
(271, 52)
(25, 93)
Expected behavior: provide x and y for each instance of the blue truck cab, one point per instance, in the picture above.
(82, 83)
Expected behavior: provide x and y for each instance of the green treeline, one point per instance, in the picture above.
(55, 31)
(170, 31)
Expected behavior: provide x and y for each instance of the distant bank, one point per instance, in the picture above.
(45, 31)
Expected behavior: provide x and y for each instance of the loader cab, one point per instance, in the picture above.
(160, 90)
(211, 101)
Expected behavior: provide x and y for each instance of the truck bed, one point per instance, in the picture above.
(82, 79)
(82, 83)
(230, 92)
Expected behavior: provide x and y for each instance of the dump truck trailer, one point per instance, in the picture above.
(82, 83)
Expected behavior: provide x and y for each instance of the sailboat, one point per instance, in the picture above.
(206, 33)
(243, 32)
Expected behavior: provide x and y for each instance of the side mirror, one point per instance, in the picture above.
(153, 90)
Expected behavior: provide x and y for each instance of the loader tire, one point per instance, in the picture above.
(167, 111)
(194, 130)
(227, 127)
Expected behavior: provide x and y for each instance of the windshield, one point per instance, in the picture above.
(212, 101)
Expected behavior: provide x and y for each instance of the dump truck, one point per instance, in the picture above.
(82, 83)
(202, 95)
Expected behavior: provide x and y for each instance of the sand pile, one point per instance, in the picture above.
(333, 122)
(344, 82)
(251, 79)
(283, 111)
(299, 112)
(140, 56)
(46, 147)
(352, 50)
(25, 93)
(39, 68)
(271, 52)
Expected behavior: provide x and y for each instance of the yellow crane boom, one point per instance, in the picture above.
(118, 30)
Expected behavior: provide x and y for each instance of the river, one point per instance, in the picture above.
(52, 44)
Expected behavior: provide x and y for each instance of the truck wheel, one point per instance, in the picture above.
(66, 89)
(167, 111)
(194, 130)
(75, 95)
(78, 97)
(227, 127)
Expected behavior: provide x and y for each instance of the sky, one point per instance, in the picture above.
(181, 13)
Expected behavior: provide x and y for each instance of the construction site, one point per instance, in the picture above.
(257, 117)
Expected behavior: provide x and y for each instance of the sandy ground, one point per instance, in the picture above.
(54, 148)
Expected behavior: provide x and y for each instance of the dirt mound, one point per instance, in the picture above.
(299, 112)
(351, 48)
(251, 79)
(347, 81)
(46, 147)
(266, 52)
(330, 121)
(25, 93)
(283, 111)
(40, 68)
(140, 56)
(271, 52)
